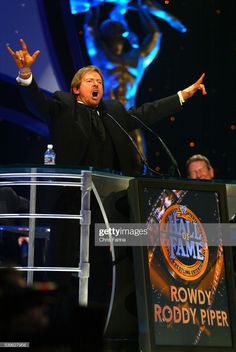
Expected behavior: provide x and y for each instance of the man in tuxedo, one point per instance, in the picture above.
(88, 131)
(85, 129)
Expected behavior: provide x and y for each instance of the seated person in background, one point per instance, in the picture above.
(199, 167)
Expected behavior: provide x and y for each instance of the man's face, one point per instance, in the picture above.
(200, 170)
(90, 91)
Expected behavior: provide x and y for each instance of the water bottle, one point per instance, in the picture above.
(49, 156)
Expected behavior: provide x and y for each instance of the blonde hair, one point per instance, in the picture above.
(76, 80)
(198, 157)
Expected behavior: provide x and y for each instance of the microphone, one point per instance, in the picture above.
(167, 150)
(142, 157)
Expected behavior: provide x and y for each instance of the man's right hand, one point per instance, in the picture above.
(23, 59)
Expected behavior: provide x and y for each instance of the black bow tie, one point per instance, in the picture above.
(97, 123)
(95, 115)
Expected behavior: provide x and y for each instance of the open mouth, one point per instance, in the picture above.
(94, 94)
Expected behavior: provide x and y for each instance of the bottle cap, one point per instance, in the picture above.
(50, 146)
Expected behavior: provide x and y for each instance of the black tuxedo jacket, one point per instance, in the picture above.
(71, 132)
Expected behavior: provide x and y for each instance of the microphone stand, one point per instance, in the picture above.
(142, 157)
(167, 150)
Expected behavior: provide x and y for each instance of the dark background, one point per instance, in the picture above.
(207, 124)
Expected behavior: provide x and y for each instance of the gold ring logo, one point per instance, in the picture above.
(184, 243)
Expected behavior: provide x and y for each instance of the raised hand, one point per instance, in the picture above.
(22, 57)
(191, 90)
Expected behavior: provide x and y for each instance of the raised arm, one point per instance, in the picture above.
(39, 104)
(23, 59)
(191, 90)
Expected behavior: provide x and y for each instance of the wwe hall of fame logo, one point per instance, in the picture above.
(184, 243)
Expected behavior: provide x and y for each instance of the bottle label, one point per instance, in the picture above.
(49, 160)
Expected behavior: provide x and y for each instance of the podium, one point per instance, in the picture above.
(111, 192)
(187, 258)
(108, 189)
